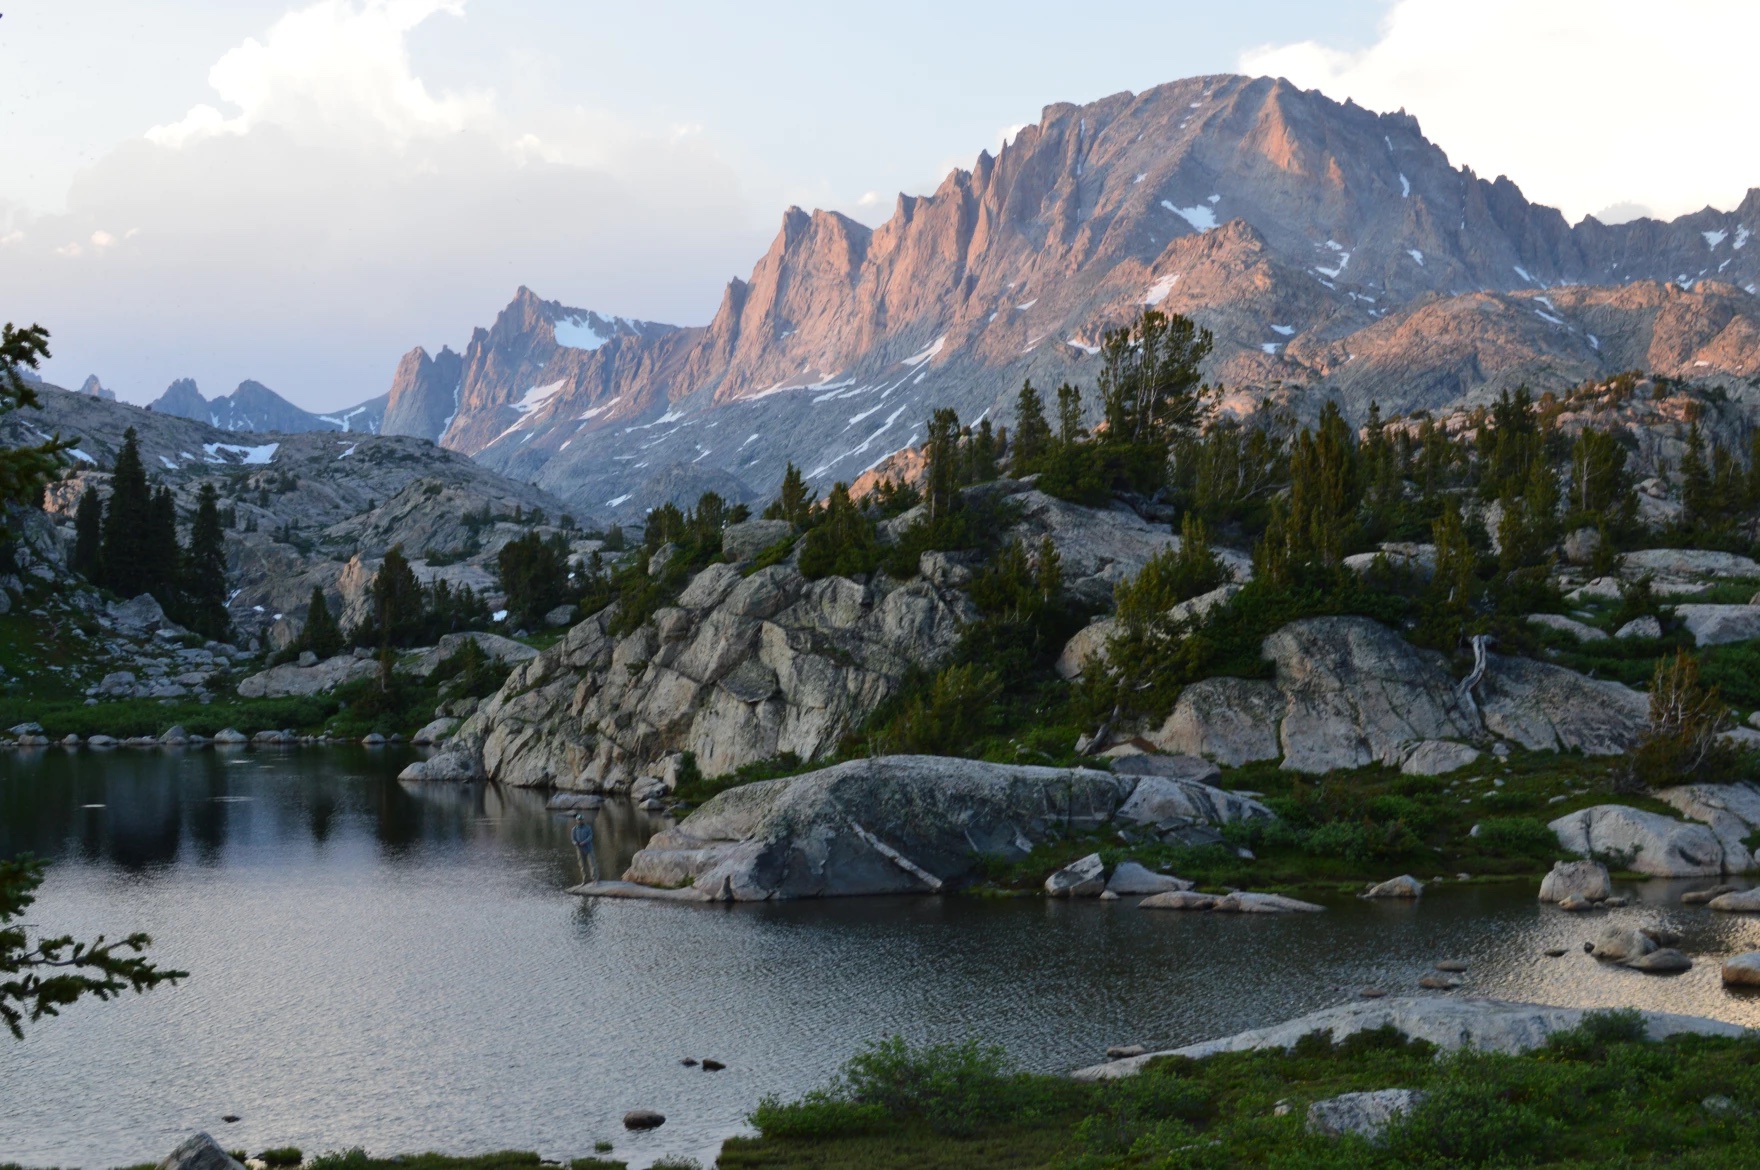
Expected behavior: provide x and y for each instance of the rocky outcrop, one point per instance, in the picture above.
(1233, 721)
(1364, 1115)
(1438, 757)
(741, 669)
(1548, 708)
(1488, 1025)
(291, 679)
(1731, 811)
(1357, 693)
(199, 1152)
(1643, 841)
(1714, 625)
(895, 824)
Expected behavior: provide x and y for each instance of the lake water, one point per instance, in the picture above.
(397, 966)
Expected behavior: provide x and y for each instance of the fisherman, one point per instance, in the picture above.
(583, 841)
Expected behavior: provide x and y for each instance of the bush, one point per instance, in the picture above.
(1516, 837)
(817, 1115)
(960, 707)
(1686, 721)
(282, 1156)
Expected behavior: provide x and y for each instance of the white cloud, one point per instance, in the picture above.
(331, 69)
(1583, 103)
(331, 209)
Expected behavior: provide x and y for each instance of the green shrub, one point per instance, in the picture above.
(281, 1156)
(959, 707)
(816, 1115)
(1516, 837)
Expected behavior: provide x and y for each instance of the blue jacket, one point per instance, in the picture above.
(583, 834)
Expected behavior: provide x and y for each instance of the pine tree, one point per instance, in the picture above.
(1032, 434)
(162, 574)
(396, 615)
(794, 503)
(1149, 382)
(1696, 501)
(24, 471)
(1069, 416)
(1448, 602)
(941, 452)
(204, 570)
(125, 559)
(843, 543)
(981, 454)
(321, 635)
(1324, 492)
(88, 527)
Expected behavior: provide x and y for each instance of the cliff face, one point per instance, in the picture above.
(424, 394)
(1327, 246)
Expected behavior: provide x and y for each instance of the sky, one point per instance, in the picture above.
(300, 192)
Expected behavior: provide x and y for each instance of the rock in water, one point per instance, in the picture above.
(1587, 880)
(888, 825)
(1123, 1051)
(1700, 897)
(1658, 845)
(1129, 878)
(1622, 944)
(1666, 961)
(1178, 900)
(1082, 878)
(199, 1152)
(1362, 1114)
(1741, 902)
(1742, 970)
(1404, 886)
(643, 1119)
(1242, 902)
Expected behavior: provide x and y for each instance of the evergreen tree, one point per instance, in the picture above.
(321, 635)
(1069, 416)
(395, 618)
(614, 539)
(942, 476)
(534, 576)
(1448, 602)
(162, 574)
(842, 543)
(794, 503)
(1149, 383)
(127, 529)
(1032, 434)
(1696, 497)
(24, 471)
(204, 569)
(981, 454)
(1324, 492)
(88, 527)
(1601, 489)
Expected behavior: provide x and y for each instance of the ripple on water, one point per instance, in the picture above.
(395, 966)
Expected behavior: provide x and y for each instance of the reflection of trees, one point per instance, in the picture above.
(154, 798)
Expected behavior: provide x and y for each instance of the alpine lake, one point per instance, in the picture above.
(397, 966)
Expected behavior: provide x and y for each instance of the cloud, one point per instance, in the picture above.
(1583, 103)
(330, 210)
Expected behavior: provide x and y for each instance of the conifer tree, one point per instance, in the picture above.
(321, 635)
(1696, 501)
(1032, 434)
(941, 452)
(396, 614)
(125, 559)
(1324, 492)
(161, 576)
(1069, 416)
(1149, 383)
(25, 470)
(843, 543)
(204, 569)
(981, 454)
(794, 503)
(88, 527)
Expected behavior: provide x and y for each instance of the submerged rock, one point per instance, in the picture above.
(1663, 961)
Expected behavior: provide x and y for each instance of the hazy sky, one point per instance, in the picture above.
(300, 192)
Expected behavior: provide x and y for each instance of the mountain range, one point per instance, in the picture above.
(255, 407)
(1335, 252)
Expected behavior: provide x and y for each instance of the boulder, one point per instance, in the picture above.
(1438, 757)
(1357, 693)
(1130, 878)
(139, 615)
(1700, 897)
(1086, 647)
(643, 1119)
(1195, 769)
(1742, 970)
(743, 541)
(1713, 625)
(1548, 708)
(1584, 879)
(199, 1152)
(1656, 845)
(561, 616)
(372, 739)
(1664, 961)
(434, 731)
(450, 763)
(1621, 944)
(1576, 903)
(1416, 559)
(1193, 609)
(1243, 902)
(230, 735)
(1576, 629)
(1083, 878)
(1686, 562)
(1362, 1114)
(1167, 803)
(1731, 810)
(1488, 1025)
(1178, 900)
(1404, 886)
(1640, 627)
(175, 735)
(887, 825)
(1230, 720)
(1740, 902)
(289, 679)
(573, 802)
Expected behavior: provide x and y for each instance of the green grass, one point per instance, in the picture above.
(1598, 1096)
(358, 1159)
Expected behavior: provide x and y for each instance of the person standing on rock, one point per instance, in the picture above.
(583, 841)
